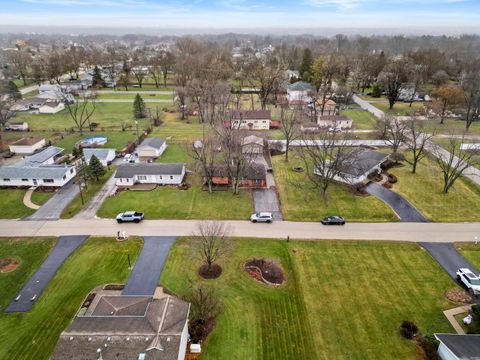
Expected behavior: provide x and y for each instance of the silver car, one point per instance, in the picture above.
(262, 217)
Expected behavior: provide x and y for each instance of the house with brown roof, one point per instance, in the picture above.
(334, 122)
(121, 327)
(251, 119)
(27, 145)
(254, 176)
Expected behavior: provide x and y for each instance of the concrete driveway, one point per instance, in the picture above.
(38, 282)
(145, 275)
(266, 200)
(448, 257)
(90, 209)
(405, 211)
(54, 207)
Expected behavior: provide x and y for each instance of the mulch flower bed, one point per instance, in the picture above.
(265, 271)
(8, 265)
(458, 295)
(114, 287)
(214, 272)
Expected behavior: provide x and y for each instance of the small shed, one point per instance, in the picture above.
(252, 145)
(151, 148)
(17, 126)
(27, 145)
(105, 156)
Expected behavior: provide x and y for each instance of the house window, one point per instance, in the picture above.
(141, 177)
(64, 177)
(48, 180)
(171, 177)
(24, 179)
(71, 171)
(6, 179)
(264, 121)
(161, 178)
(244, 121)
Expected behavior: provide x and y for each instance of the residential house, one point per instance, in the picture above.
(334, 121)
(116, 326)
(156, 173)
(32, 104)
(251, 119)
(27, 145)
(151, 148)
(458, 347)
(38, 170)
(55, 93)
(17, 126)
(253, 177)
(330, 107)
(105, 156)
(299, 93)
(292, 75)
(51, 107)
(359, 166)
(252, 145)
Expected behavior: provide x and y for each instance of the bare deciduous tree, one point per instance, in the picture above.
(81, 110)
(446, 98)
(452, 161)
(393, 78)
(392, 130)
(290, 128)
(212, 241)
(205, 155)
(470, 82)
(417, 138)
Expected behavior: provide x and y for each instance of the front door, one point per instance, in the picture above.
(35, 182)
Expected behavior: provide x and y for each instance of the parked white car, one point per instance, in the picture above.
(130, 158)
(469, 279)
(261, 217)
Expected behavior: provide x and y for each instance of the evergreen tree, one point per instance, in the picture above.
(95, 168)
(97, 80)
(139, 109)
(306, 66)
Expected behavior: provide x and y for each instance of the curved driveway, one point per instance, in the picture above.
(405, 211)
(415, 232)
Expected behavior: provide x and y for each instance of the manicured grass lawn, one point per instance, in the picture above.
(30, 94)
(178, 130)
(29, 252)
(362, 119)
(93, 186)
(471, 252)
(342, 300)
(131, 96)
(175, 152)
(301, 202)
(116, 140)
(168, 202)
(400, 108)
(41, 197)
(33, 335)
(445, 143)
(424, 191)
(20, 83)
(11, 205)
(453, 126)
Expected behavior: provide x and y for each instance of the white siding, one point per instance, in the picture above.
(39, 181)
(445, 354)
(294, 95)
(253, 124)
(27, 149)
(152, 179)
(183, 342)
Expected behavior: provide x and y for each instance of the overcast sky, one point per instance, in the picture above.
(435, 15)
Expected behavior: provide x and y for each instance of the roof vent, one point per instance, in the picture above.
(128, 339)
(89, 339)
(109, 339)
(71, 338)
(146, 339)
(168, 339)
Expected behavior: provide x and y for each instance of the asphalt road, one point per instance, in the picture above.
(145, 275)
(415, 232)
(38, 282)
(405, 211)
(266, 200)
(448, 257)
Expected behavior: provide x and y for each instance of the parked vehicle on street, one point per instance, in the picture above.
(262, 217)
(130, 216)
(333, 220)
(469, 279)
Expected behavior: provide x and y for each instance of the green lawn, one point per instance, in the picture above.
(471, 252)
(168, 202)
(399, 109)
(362, 119)
(175, 152)
(116, 140)
(20, 83)
(33, 335)
(178, 130)
(318, 314)
(11, 206)
(301, 202)
(93, 186)
(131, 96)
(424, 191)
(41, 197)
(453, 126)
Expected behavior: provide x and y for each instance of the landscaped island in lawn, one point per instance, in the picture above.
(300, 201)
(340, 299)
(33, 335)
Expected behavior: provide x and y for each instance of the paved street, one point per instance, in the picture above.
(416, 232)
(145, 275)
(38, 282)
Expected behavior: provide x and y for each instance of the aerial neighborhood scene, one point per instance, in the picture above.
(239, 180)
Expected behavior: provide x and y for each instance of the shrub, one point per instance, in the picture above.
(392, 179)
(408, 329)
(429, 345)
(376, 91)
(476, 310)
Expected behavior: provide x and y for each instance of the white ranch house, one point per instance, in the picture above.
(299, 93)
(157, 173)
(17, 126)
(334, 121)
(458, 347)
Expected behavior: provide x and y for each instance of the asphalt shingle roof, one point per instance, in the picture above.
(130, 170)
(155, 143)
(101, 154)
(465, 347)
(363, 161)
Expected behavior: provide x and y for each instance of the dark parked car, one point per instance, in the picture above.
(333, 220)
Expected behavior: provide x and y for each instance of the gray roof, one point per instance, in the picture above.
(300, 86)
(363, 161)
(34, 172)
(465, 347)
(155, 143)
(130, 170)
(101, 154)
(129, 325)
(40, 157)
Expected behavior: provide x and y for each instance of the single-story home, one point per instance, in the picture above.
(458, 347)
(136, 327)
(105, 156)
(298, 93)
(334, 121)
(252, 145)
(51, 107)
(151, 148)
(251, 119)
(254, 176)
(155, 173)
(470, 147)
(330, 107)
(17, 126)
(359, 166)
(28, 105)
(27, 145)
(38, 170)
